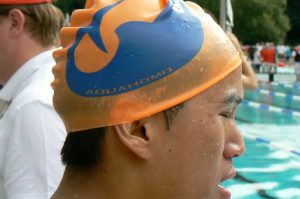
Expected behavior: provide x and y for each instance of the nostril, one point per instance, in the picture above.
(237, 155)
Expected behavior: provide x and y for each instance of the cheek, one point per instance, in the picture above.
(201, 153)
(191, 155)
(202, 135)
(212, 141)
(212, 131)
(202, 141)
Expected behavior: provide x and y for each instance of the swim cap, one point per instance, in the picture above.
(23, 2)
(125, 60)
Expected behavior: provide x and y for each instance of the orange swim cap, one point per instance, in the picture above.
(125, 60)
(23, 2)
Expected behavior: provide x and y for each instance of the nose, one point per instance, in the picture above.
(235, 145)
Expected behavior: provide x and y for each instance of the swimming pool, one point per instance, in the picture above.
(269, 119)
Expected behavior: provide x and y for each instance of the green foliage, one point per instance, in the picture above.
(256, 20)
(212, 6)
(68, 6)
(293, 11)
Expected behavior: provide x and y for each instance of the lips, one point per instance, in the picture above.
(224, 192)
(230, 174)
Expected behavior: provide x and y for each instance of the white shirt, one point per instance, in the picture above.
(281, 49)
(31, 133)
(256, 57)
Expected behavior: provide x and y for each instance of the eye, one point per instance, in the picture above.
(228, 115)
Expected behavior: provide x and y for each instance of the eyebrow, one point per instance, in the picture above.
(234, 99)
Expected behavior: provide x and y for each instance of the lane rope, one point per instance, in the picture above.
(250, 135)
(270, 108)
(278, 94)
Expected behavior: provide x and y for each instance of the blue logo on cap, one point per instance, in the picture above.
(147, 52)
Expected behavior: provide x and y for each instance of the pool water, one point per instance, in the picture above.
(270, 124)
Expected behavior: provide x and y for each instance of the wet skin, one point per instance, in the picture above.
(196, 154)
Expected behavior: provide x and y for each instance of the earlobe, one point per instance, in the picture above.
(134, 137)
(17, 19)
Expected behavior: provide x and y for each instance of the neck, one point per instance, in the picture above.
(120, 175)
(98, 183)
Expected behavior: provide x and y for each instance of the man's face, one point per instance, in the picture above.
(196, 154)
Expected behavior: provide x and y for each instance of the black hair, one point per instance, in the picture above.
(84, 148)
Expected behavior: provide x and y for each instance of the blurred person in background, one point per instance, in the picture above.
(288, 55)
(297, 62)
(31, 133)
(256, 60)
(281, 52)
(268, 53)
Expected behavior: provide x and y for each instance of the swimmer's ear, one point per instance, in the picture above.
(135, 136)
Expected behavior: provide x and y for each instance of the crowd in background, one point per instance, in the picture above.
(270, 54)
